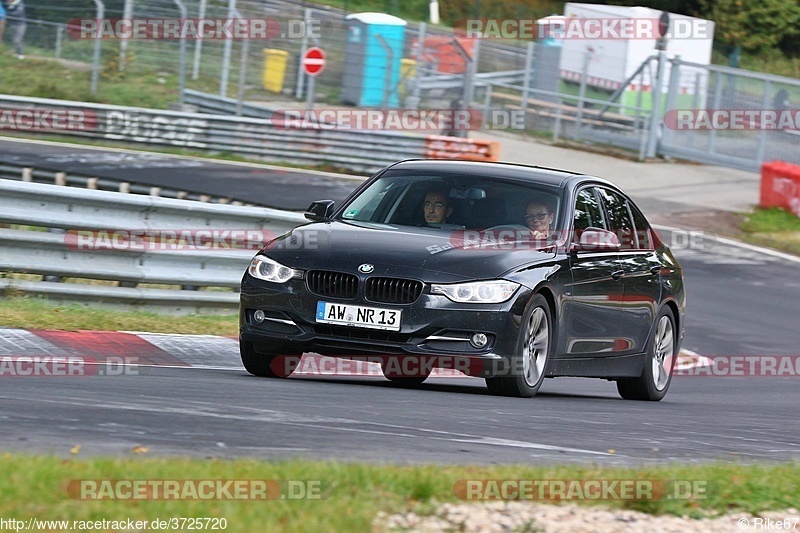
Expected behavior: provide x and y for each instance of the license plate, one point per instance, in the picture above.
(357, 316)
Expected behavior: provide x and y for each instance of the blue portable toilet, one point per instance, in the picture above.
(373, 52)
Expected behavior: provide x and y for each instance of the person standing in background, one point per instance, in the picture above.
(17, 26)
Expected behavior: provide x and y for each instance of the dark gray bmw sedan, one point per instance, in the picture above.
(505, 272)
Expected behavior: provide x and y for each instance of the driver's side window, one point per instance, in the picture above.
(587, 213)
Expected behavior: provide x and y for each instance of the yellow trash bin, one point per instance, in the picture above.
(407, 69)
(274, 69)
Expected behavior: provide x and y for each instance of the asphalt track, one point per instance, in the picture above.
(266, 185)
(741, 301)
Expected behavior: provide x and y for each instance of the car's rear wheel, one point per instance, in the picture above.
(656, 376)
(267, 365)
(529, 363)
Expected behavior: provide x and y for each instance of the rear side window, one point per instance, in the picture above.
(643, 230)
(619, 218)
(588, 213)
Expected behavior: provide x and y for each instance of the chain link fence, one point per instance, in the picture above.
(440, 71)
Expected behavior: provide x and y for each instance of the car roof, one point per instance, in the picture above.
(544, 175)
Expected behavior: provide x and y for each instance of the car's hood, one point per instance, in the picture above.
(432, 254)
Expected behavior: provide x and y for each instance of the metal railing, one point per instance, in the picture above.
(362, 151)
(50, 221)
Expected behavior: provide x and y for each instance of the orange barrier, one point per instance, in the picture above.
(780, 186)
(443, 147)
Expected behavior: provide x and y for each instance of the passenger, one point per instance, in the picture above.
(539, 219)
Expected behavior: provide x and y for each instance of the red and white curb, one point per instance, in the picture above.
(188, 351)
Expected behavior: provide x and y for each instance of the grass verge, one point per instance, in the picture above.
(775, 228)
(34, 313)
(353, 493)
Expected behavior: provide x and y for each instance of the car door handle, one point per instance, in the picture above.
(617, 274)
(656, 269)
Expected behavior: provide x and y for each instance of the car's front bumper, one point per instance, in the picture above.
(428, 327)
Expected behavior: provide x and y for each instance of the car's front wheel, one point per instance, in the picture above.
(660, 359)
(267, 365)
(529, 363)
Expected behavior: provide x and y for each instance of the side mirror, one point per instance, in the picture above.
(320, 210)
(597, 240)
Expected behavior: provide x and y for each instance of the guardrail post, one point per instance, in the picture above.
(97, 42)
(91, 183)
(61, 178)
(27, 174)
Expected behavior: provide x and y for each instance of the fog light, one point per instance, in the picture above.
(478, 340)
(259, 316)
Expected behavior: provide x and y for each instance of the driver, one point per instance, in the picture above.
(436, 207)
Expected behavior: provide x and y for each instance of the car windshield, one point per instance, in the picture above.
(451, 201)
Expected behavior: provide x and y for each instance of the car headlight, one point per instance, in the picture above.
(478, 292)
(263, 267)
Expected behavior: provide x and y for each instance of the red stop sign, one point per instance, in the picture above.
(313, 61)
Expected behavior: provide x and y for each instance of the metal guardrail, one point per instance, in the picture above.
(364, 151)
(58, 252)
(26, 173)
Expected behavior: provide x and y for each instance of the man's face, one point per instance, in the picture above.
(435, 207)
(538, 217)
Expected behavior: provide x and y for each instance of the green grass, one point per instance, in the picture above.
(353, 493)
(34, 313)
(775, 228)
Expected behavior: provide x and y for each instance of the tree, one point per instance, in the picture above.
(755, 25)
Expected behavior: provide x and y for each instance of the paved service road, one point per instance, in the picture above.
(265, 185)
(741, 302)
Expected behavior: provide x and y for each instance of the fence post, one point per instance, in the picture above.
(418, 56)
(487, 103)
(672, 94)
(101, 9)
(242, 76)
(528, 71)
(198, 45)
(298, 92)
(655, 112)
(762, 135)
(712, 135)
(127, 14)
(182, 57)
(226, 54)
(582, 93)
(60, 39)
(557, 127)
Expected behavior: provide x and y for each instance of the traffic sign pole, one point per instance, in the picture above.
(310, 92)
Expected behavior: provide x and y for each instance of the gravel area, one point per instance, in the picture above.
(569, 518)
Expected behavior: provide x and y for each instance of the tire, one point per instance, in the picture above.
(532, 353)
(267, 365)
(654, 382)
